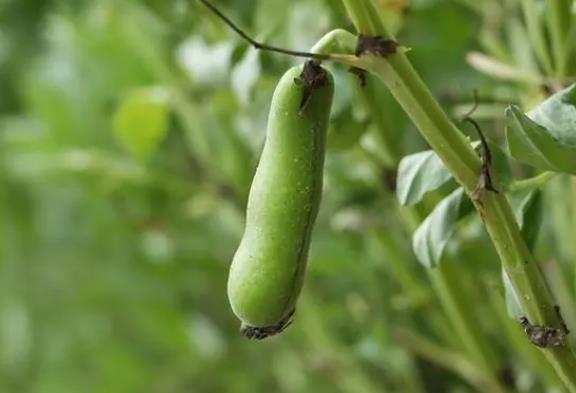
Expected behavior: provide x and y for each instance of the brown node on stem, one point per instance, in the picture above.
(546, 336)
(485, 179)
(375, 45)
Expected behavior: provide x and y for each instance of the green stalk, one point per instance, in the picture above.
(533, 182)
(453, 303)
(441, 277)
(536, 33)
(444, 277)
(516, 339)
(342, 41)
(447, 359)
(445, 281)
(399, 269)
(409, 90)
(558, 19)
(572, 213)
(348, 376)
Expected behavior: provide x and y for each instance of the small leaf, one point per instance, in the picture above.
(500, 164)
(527, 207)
(534, 145)
(423, 172)
(418, 174)
(558, 115)
(430, 239)
(141, 121)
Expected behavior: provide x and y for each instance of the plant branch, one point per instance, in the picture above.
(536, 33)
(558, 18)
(447, 359)
(452, 147)
(533, 182)
(445, 281)
(260, 45)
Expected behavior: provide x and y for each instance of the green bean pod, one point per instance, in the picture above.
(268, 268)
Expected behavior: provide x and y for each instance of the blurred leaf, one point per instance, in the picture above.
(134, 254)
(418, 174)
(206, 65)
(558, 115)
(245, 75)
(497, 69)
(345, 94)
(431, 237)
(141, 121)
(308, 20)
(39, 165)
(205, 337)
(527, 206)
(345, 131)
(532, 144)
(500, 163)
(15, 335)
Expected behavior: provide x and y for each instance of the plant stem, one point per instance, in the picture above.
(452, 297)
(447, 359)
(516, 339)
(445, 281)
(536, 33)
(441, 277)
(449, 143)
(348, 376)
(558, 18)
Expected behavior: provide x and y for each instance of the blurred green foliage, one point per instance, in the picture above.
(129, 133)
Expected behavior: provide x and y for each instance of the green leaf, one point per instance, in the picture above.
(418, 174)
(500, 164)
(532, 144)
(558, 115)
(141, 121)
(423, 172)
(527, 206)
(431, 237)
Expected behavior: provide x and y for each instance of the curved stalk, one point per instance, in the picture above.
(451, 146)
(338, 41)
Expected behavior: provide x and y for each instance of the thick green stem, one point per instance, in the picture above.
(516, 339)
(462, 321)
(441, 277)
(455, 151)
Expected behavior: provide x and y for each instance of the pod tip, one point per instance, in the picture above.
(262, 332)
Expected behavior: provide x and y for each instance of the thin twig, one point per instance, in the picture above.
(485, 181)
(474, 107)
(260, 45)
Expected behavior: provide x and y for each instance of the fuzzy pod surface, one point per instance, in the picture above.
(268, 267)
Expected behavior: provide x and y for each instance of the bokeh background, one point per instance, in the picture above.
(129, 133)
